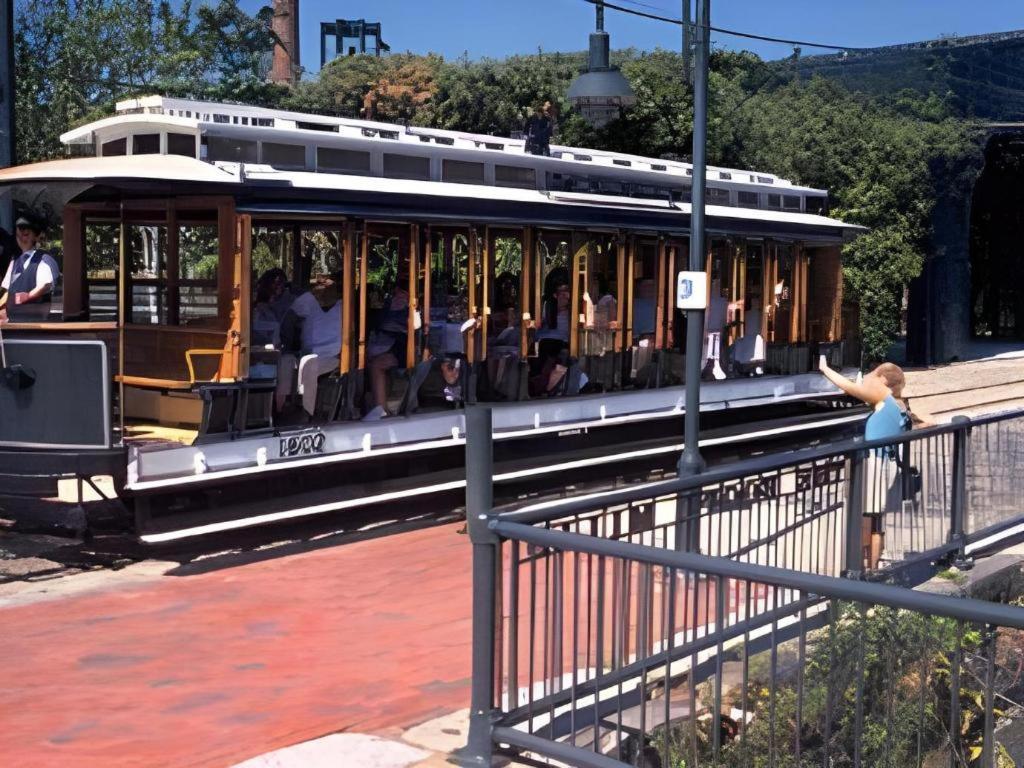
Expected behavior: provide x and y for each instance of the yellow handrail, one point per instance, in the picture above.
(188, 360)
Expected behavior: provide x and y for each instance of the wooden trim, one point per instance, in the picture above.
(661, 258)
(486, 260)
(526, 312)
(427, 253)
(237, 342)
(765, 296)
(670, 295)
(741, 311)
(111, 325)
(537, 274)
(364, 261)
(630, 269)
(75, 292)
(577, 249)
(804, 279)
(226, 253)
(410, 337)
(173, 266)
(474, 246)
(145, 382)
(620, 292)
(124, 311)
(299, 281)
(347, 307)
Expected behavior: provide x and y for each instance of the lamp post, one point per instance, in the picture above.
(690, 462)
(602, 92)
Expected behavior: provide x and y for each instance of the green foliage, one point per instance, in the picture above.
(886, 160)
(886, 167)
(74, 60)
(901, 662)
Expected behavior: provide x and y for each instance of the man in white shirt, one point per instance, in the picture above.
(30, 278)
(320, 313)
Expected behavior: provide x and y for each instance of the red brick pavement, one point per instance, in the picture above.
(208, 670)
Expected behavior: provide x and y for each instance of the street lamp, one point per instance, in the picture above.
(690, 462)
(600, 93)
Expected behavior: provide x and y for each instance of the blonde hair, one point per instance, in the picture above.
(893, 376)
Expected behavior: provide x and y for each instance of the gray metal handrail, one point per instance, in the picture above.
(632, 537)
(964, 609)
(759, 465)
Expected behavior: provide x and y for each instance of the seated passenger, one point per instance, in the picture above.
(31, 276)
(318, 312)
(552, 339)
(272, 303)
(443, 383)
(386, 348)
(606, 316)
(553, 332)
(503, 337)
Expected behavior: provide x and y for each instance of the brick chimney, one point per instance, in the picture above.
(286, 67)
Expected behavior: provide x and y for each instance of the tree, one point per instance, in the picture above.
(75, 60)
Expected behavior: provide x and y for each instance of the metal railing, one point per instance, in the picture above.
(725, 619)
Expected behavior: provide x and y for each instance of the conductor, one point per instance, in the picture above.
(27, 288)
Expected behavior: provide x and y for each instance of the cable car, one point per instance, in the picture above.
(265, 315)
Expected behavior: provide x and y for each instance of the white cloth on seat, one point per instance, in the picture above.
(286, 365)
(311, 368)
(749, 349)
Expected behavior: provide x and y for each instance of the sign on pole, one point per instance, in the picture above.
(692, 290)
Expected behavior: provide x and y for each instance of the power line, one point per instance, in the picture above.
(722, 31)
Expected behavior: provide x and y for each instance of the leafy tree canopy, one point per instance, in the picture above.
(885, 160)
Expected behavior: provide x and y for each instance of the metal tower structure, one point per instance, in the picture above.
(355, 30)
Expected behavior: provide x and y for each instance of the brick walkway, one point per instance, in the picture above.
(208, 670)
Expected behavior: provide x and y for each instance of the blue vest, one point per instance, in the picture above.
(23, 282)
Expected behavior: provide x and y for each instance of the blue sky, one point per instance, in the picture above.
(501, 27)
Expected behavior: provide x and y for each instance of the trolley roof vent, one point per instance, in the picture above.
(325, 127)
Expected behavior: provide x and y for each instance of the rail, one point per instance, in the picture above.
(738, 617)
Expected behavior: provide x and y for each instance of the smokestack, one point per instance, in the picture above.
(286, 51)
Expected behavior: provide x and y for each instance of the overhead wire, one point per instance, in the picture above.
(724, 31)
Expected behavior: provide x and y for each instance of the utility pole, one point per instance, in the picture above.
(7, 157)
(690, 462)
(688, 42)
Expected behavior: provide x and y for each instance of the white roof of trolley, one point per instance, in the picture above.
(219, 118)
(244, 177)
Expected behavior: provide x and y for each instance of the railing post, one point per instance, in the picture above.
(853, 561)
(958, 511)
(688, 521)
(479, 501)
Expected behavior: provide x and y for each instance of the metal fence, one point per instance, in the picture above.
(722, 619)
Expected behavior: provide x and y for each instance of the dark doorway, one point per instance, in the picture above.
(997, 241)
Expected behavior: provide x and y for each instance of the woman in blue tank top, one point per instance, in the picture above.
(879, 389)
(883, 492)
